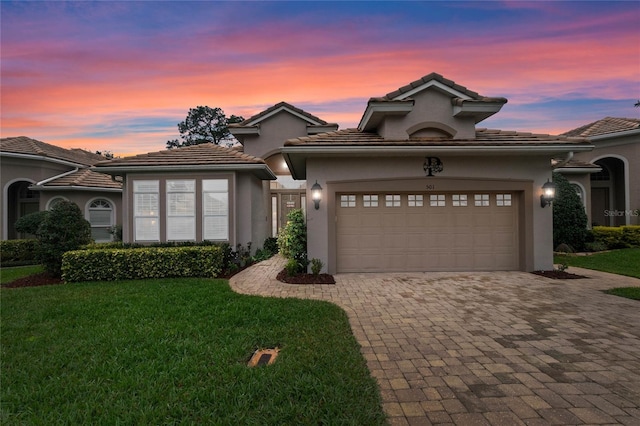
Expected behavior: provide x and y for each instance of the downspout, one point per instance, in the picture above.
(565, 161)
(56, 177)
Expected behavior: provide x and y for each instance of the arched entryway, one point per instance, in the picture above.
(609, 193)
(21, 201)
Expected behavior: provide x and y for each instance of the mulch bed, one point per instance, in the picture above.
(559, 275)
(305, 278)
(35, 280)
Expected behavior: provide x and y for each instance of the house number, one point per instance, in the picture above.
(430, 187)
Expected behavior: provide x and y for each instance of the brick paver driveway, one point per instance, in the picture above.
(500, 348)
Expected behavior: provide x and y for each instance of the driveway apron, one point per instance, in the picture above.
(487, 348)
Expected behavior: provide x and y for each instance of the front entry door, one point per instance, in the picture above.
(599, 204)
(288, 202)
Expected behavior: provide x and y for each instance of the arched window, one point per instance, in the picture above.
(52, 202)
(101, 220)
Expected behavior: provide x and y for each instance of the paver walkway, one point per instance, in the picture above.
(499, 348)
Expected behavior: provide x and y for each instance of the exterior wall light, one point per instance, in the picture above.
(316, 194)
(548, 193)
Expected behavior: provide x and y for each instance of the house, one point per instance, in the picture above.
(607, 178)
(35, 175)
(418, 186)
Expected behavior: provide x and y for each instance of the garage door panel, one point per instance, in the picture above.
(427, 237)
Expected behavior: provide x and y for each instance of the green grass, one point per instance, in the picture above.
(628, 292)
(622, 262)
(9, 274)
(174, 351)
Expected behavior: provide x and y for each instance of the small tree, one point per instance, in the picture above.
(29, 224)
(569, 217)
(63, 229)
(292, 240)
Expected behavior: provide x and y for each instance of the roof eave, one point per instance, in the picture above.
(631, 132)
(261, 171)
(577, 170)
(73, 187)
(478, 110)
(43, 158)
(377, 110)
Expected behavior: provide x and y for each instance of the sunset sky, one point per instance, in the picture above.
(119, 76)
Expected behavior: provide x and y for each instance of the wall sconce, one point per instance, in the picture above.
(316, 194)
(548, 193)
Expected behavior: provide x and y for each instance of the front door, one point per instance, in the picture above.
(288, 202)
(599, 205)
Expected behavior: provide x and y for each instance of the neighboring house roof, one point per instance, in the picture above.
(23, 146)
(206, 156)
(82, 179)
(605, 126)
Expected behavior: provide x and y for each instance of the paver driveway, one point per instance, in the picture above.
(500, 348)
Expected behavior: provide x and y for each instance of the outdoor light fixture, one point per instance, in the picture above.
(548, 193)
(316, 194)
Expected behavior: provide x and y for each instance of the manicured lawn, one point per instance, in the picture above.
(10, 274)
(174, 351)
(628, 292)
(622, 262)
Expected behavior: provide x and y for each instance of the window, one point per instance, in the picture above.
(146, 203)
(459, 200)
(370, 200)
(481, 200)
(101, 220)
(215, 206)
(503, 200)
(415, 200)
(347, 201)
(181, 210)
(392, 200)
(437, 200)
(52, 202)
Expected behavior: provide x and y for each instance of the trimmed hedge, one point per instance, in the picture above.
(141, 263)
(18, 252)
(617, 237)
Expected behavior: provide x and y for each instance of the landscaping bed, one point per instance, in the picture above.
(559, 275)
(305, 278)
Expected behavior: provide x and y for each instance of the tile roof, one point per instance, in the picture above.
(266, 112)
(605, 126)
(437, 77)
(355, 137)
(84, 178)
(27, 146)
(194, 155)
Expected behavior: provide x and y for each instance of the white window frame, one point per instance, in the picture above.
(459, 200)
(181, 209)
(503, 200)
(437, 200)
(91, 207)
(481, 200)
(146, 221)
(347, 200)
(370, 200)
(392, 200)
(415, 200)
(221, 188)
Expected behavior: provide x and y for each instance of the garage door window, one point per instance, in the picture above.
(415, 200)
(503, 200)
(370, 200)
(392, 200)
(437, 200)
(459, 200)
(481, 200)
(347, 201)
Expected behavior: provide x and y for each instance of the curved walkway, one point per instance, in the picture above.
(487, 348)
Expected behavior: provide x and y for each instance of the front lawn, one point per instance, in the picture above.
(622, 262)
(9, 274)
(175, 351)
(628, 292)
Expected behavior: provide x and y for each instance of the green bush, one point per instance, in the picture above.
(292, 240)
(271, 245)
(141, 263)
(292, 267)
(18, 252)
(62, 229)
(569, 218)
(29, 224)
(617, 237)
(316, 266)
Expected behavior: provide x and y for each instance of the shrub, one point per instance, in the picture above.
(141, 263)
(292, 240)
(271, 245)
(29, 224)
(595, 246)
(18, 252)
(569, 217)
(316, 266)
(617, 237)
(292, 267)
(63, 229)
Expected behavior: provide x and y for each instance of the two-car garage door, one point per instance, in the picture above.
(462, 231)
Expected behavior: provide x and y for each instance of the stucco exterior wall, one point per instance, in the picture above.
(273, 132)
(524, 175)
